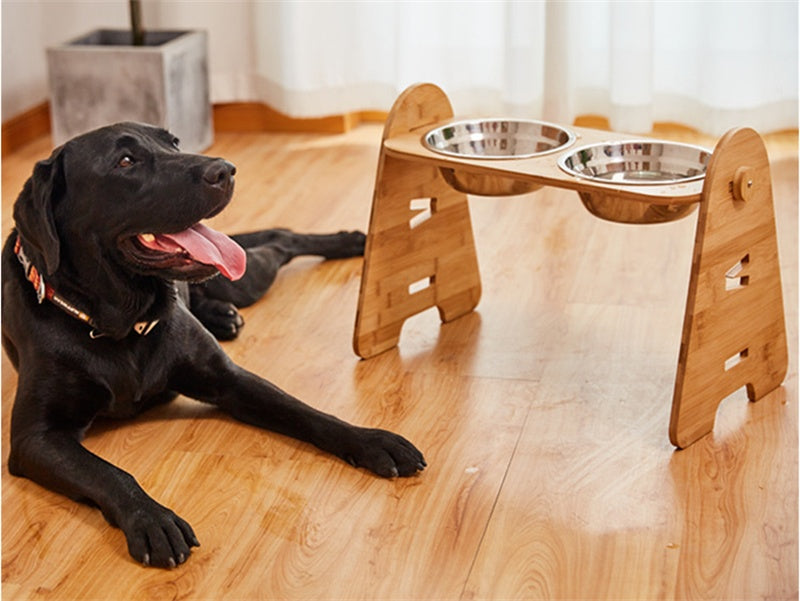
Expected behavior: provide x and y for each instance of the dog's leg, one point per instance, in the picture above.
(340, 245)
(269, 250)
(55, 459)
(212, 377)
(214, 302)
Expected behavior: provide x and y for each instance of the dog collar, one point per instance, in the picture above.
(46, 291)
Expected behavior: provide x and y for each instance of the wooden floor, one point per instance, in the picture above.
(543, 417)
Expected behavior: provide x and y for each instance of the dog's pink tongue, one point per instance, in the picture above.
(212, 248)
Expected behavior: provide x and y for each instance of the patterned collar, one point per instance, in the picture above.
(46, 291)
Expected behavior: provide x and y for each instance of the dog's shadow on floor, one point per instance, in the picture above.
(181, 408)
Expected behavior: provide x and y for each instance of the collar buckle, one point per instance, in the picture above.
(143, 328)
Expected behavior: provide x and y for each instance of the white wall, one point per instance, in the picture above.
(26, 33)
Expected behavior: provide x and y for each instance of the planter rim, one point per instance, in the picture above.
(167, 37)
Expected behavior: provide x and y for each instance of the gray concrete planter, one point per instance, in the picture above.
(100, 78)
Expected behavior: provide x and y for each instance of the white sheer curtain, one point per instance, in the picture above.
(710, 65)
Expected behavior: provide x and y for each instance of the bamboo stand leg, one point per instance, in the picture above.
(734, 331)
(420, 251)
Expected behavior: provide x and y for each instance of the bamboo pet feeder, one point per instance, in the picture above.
(420, 249)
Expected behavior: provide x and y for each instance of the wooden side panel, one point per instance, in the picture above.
(420, 249)
(734, 330)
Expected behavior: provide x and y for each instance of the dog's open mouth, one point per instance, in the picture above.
(182, 251)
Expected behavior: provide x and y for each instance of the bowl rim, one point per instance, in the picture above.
(571, 137)
(562, 160)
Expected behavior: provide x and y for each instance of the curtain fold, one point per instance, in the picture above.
(710, 65)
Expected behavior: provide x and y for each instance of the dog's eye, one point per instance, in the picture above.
(176, 143)
(126, 161)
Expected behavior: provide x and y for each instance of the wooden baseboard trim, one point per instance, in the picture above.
(234, 117)
(254, 116)
(592, 122)
(257, 117)
(26, 127)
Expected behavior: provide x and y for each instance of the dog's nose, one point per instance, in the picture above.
(219, 172)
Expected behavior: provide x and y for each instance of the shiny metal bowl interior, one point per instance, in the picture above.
(495, 139)
(498, 138)
(636, 163)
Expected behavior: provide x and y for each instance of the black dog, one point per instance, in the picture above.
(97, 320)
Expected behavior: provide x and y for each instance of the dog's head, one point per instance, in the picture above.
(127, 192)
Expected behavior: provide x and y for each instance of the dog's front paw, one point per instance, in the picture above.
(220, 318)
(158, 537)
(386, 454)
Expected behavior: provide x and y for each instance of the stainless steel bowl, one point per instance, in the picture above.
(636, 163)
(498, 138)
(495, 139)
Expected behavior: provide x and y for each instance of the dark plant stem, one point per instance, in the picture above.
(136, 22)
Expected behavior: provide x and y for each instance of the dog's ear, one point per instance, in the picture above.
(33, 212)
